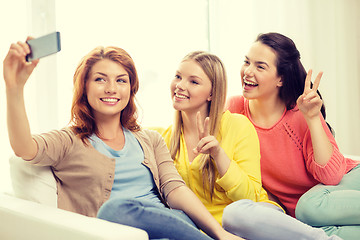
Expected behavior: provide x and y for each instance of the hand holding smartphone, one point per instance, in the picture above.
(43, 46)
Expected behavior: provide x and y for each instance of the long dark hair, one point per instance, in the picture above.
(289, 68)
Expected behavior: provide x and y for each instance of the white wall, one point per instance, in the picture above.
(157, 34)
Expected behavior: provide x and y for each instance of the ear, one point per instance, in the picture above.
(209, 98)
(280, 82)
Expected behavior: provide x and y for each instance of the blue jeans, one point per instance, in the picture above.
(336, 209)
(157, 220)
(261, 220)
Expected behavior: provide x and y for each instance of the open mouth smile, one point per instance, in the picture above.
(181, 96)
(110, 100)
(249, 83)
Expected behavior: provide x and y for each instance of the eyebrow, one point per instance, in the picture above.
(191, 76)
(258, 62)
(194, 76)
(121, 75)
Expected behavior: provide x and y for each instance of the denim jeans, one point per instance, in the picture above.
(157, 220)
(336, 209)
(265, 221)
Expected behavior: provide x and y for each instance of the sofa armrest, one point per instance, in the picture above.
(31, 182)
(22, 219)
(353, 157)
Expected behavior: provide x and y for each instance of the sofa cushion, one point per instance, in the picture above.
(31, 182)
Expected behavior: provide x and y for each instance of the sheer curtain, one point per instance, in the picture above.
(14, 28)
(158, 33)
(327, 34)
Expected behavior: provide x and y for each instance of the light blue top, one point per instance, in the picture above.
(132, 178)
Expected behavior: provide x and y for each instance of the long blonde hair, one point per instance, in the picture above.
(215, 71)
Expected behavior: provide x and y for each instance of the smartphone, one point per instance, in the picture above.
(43, 46)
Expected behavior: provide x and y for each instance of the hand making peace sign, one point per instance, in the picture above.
(208, 144)
(310, 102)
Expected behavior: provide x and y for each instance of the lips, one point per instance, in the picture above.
(250, 83)
(180, 96)
(110, 100)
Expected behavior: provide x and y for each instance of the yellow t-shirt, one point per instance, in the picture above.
(239, 140)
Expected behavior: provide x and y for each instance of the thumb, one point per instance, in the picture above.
(35, 62)
(300, 100)
(31, 66)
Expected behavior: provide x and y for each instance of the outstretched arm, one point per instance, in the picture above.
(16, 72)
(310, 104)
(184, 199)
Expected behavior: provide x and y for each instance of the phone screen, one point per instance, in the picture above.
(44, 46)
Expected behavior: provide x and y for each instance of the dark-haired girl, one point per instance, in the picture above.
(300, 161)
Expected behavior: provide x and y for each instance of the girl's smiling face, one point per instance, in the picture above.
(191, 88)
(107, 89)
(259, 76)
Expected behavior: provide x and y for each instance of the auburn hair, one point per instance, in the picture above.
(82, 118)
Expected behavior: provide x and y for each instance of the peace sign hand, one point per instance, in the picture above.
(310, 102)
(207, 144)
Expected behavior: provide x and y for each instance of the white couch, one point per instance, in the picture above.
(31, 212)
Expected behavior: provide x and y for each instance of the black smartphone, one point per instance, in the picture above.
(43, 46)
